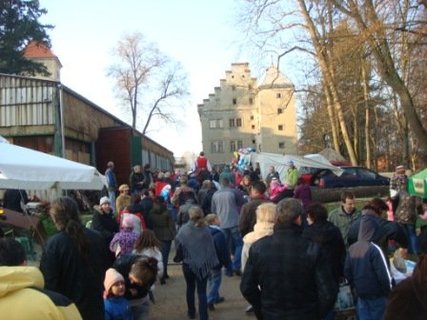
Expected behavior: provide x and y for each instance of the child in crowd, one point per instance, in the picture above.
(115, 304)
(124, 240)
(148, 245)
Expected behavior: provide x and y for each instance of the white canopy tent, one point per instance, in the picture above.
(23, 168)
(280, 162)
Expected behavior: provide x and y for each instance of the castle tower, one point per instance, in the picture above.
(38, 52)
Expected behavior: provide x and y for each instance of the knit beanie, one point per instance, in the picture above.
(111, 277)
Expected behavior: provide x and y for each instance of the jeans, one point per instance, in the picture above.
(112, 197)
(370, 309)
(215, 278)
(165, 249)
(234, 240)
(411, 234)
(192, 280)
(140, 311)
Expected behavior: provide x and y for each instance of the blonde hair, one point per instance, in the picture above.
(196, 215)
(210, 218)
(266, 212)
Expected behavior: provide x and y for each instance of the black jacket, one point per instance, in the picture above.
(329, 237)
(67, 272)
(287, 277)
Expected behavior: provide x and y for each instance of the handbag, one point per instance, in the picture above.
(345, 299)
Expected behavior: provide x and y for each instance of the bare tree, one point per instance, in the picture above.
(147, 80)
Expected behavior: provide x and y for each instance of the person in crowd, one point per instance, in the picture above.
(397, 183)
(245, 185)
(193, 182)
(124, 199)
(367, 272)
(277, 191)
(160, 183)
(286, 276)
(183, 211)
(344, 215)
(136, 179)
(23, 285)
(292, 176)
(136, 211)
(148, 177)
(148, 245)
(227, 174)
(272, 173)
(183, 192)
(265, 219)
(408, 299)
(110, 175)
(406, 217)
(387, 230)
(206, 204)
(247, 217)
(74, 260)
(329, 237)
(302, 192)
(139, 273)
(115, 304)
(226, 203)
(103, 221)
(202, 167)
(201, 195)
(124, 241)
(196, 249)
(215, 276)
(165, 231)
(14, 199)
(215, 174)
(422, 238)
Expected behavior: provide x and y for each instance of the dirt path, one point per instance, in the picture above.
(171, 303)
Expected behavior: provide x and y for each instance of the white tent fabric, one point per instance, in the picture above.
(23, 168)
(280, 162)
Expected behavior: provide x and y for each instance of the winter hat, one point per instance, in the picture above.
(111, 277)
(104, 200)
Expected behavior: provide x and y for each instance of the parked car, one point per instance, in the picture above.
(351, 177)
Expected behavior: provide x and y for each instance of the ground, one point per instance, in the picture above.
(171, 304)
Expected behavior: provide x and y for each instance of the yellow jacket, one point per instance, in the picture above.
(22, 297)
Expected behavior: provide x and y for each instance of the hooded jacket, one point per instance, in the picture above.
(366, 267)
(22, 297)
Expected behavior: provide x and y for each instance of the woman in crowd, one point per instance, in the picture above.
(195, 248)
(74, 260)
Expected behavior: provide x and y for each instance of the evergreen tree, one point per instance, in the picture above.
(19, 25)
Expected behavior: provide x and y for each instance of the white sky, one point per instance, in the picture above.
(201, 34)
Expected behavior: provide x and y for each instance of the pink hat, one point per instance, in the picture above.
(111, 277)
(127, 223)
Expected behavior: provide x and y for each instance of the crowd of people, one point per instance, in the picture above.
(292, 255)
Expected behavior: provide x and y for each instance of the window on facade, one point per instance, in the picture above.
(252, 117)
(251, 101)
(278, 95)
(250, 87)
(232, 146)
(279, 110)
(217, 147)
(220, 123)
(253, 126)
(280, 127)
(232, 123)
(212, 124)
(235, 122)
(281, 145)
(236, 145)
(253, 141)
(233, 88)
(217, 123)
(234, 101)
(238, 122)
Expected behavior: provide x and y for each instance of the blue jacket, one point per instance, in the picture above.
(117, 308)
(220, 246)
(365, 267)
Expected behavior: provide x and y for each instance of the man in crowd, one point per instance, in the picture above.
(247, 218)
(286, 276)
(111, 183)
(345, 215)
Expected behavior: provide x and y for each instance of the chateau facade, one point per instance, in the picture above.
(242, 113)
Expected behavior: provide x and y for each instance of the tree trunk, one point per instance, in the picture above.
(365, 85)
(325, 69)
(332, 120)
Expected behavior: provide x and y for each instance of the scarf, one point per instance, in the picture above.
(198, 248)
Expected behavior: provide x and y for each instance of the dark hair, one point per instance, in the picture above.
(317, 212)
(159, 200)
(65, 214)
(147, 239)
(260, 187)
(347, 195)
(135, 198)
(12, 253)
(145, 269)
(377, 205)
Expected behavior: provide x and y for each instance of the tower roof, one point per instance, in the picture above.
(275, 79)
(38, 50)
